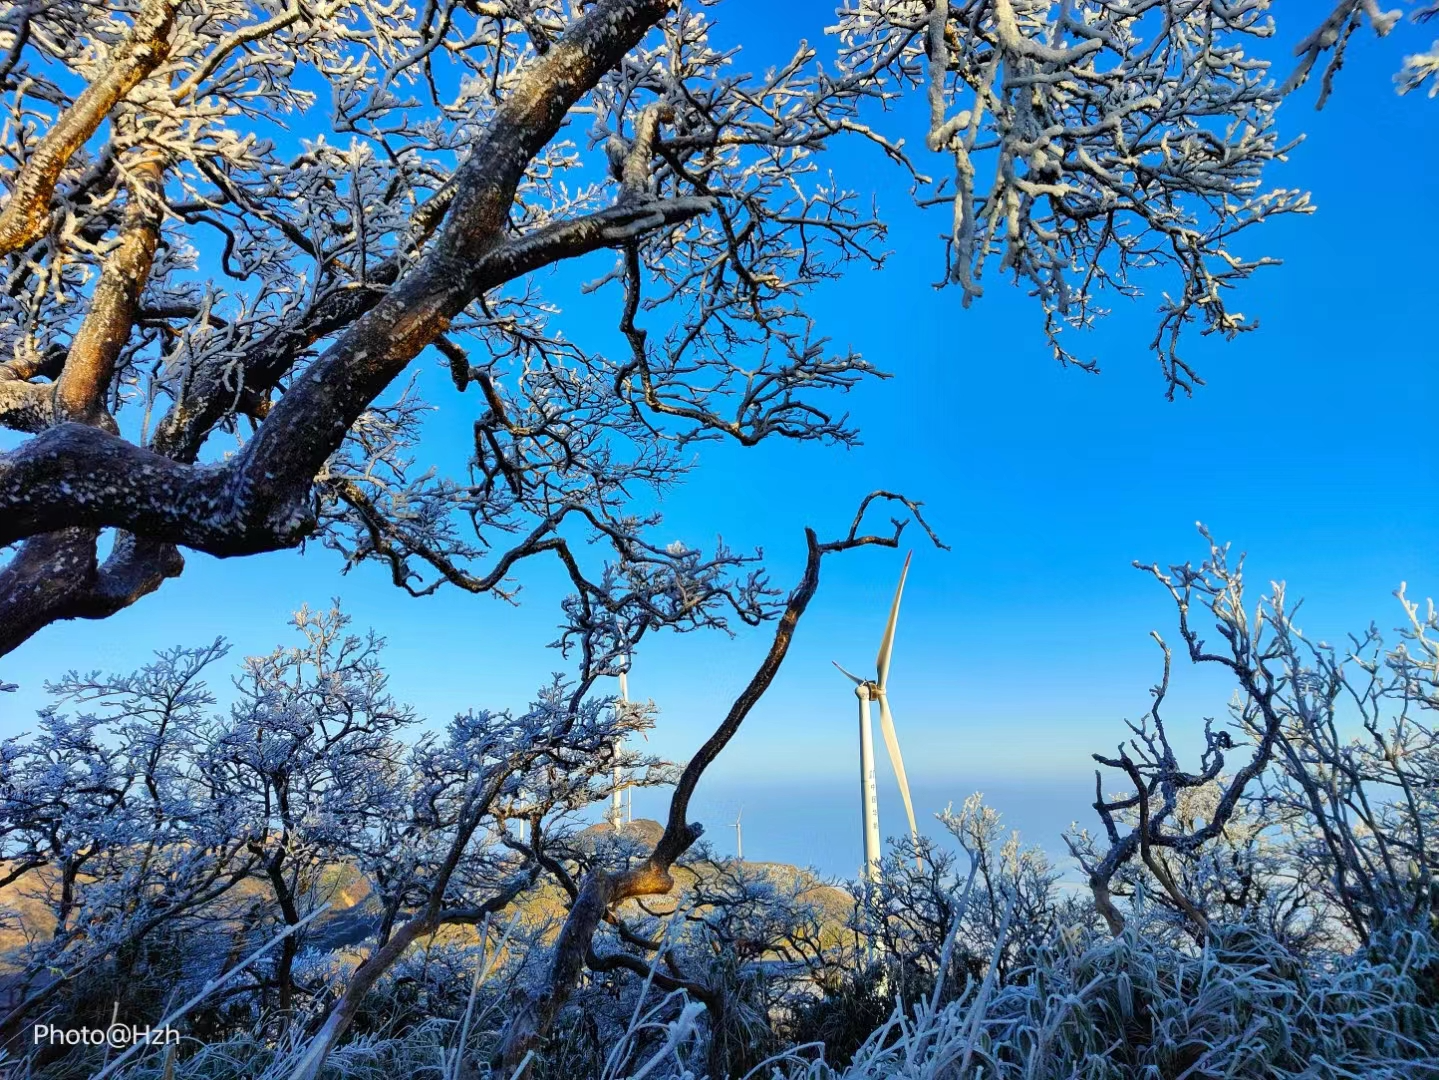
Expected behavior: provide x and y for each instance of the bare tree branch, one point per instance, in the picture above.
(601, 890)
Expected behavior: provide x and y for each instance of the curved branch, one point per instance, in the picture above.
(57, 576)
(601, 890)
(24, 218)
(72, 475)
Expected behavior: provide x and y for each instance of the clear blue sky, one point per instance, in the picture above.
(1020, 651)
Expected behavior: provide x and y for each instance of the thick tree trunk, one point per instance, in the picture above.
(57, 575)
(25, 216)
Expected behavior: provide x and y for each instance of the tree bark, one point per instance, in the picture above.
(27, 213)
(73, 476)
(57, 575)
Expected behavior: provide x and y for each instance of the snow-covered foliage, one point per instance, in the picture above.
(231, 228)
(1333, 34)
(147, 836)
(1092, 142)
(1115, 1008)
(1422, 67)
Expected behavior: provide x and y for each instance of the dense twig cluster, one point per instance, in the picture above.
(231, 227)
(1325, 828)
(152, 843)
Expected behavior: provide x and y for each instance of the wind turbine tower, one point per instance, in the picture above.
(617, 808)
(738, 835)
(868, 690)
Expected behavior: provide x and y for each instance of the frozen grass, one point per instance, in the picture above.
(1086, 1007)
(1135, 1007)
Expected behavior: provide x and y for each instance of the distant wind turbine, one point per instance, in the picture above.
(617, 808)
(871, 690)
(738, 835)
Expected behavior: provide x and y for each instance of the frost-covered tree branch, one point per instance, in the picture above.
(137, 815)
(239, 240)
(1333, 34)
(1337, 769)
(1092, 144)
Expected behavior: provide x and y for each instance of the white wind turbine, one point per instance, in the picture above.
(738, 836)
(871, 690)
(617, 809)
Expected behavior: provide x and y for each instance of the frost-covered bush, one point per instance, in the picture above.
(150, 842)
(1313, 808)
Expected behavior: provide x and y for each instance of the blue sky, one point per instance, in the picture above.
(1020, 651)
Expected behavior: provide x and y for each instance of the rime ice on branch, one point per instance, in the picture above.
(231, 228)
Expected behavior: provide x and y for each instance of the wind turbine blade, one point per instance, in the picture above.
(849, 674)
(886, 645)
(891, 742)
